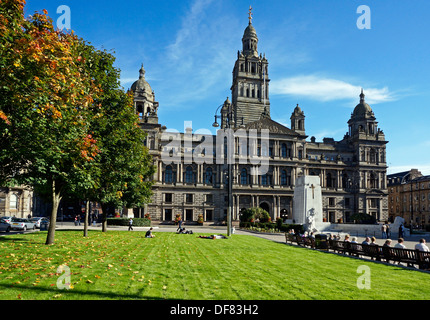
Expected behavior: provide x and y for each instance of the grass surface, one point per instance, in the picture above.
(125, 265)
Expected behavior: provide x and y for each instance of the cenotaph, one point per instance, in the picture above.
(307, 203)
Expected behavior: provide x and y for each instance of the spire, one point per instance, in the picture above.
(250, 39)
(142, 72)
(362, 96)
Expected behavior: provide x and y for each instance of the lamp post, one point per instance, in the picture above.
(229, 124)
(411, 197)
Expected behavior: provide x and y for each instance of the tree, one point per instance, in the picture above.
(123, 168)
(45, 107)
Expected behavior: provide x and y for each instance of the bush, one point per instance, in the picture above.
(137, 222)
(252, 214)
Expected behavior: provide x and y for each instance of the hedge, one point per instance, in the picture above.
(272, 225)
(137, 222)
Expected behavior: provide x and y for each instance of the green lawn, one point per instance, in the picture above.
(125, 265)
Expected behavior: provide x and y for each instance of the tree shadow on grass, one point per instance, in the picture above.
(92, 295)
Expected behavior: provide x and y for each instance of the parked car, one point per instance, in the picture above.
(4, 225)
(22, 224)
(7, 219)
(38, 220)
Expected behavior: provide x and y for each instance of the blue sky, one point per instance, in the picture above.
(317, 55)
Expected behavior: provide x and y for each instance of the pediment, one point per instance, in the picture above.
(271, 125)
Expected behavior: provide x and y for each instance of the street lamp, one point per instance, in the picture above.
(229, 124)
(411, 197)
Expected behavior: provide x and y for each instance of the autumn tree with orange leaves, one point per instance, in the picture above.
(45, 107)
(66, 125)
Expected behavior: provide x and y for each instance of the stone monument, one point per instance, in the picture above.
(307, 203)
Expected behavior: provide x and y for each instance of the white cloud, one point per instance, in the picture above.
(326, 89)
(199, 57)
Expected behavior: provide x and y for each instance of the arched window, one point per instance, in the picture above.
(140, 111)
(189, 175)
(168, 174)
(208, 176)
(244, 176)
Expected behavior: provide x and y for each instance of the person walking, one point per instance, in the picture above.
(130, 224)
(384, 231)
(388, 230)
(180, 224)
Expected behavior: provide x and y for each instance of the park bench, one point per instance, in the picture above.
(375, 252)
(300, 240)
(309, 242)
(290, 237)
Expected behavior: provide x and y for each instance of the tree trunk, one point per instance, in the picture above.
(87, 213)
(56, 198)
(104, 217)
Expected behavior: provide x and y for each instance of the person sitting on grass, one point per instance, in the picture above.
(149, 234)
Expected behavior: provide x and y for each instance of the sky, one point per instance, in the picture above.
(319, 54)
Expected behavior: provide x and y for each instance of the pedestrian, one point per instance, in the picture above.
(180, 224)
(421, 246)
(384, 231)
(401, 235)
(388, 231)
(130, 224)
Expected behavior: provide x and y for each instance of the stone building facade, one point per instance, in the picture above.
(191, 177)
(409, 197)
(16, 202)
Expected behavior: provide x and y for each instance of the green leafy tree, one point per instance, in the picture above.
(123, 168)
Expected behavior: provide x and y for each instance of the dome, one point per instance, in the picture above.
(141, 84)
(362, 109)
(297, 110)
(250, 32)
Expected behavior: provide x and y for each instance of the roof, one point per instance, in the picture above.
(271, 125)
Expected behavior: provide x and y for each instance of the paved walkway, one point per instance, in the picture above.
(410, 241)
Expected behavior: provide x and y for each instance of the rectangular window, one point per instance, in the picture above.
(347, 202)
(209, 215)
(189, 198)
(168, 197)
(209, 198)
(168, 214)
(189, 215)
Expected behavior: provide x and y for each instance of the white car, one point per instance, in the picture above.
(22, 224)
(38, 220)
(4, 225)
